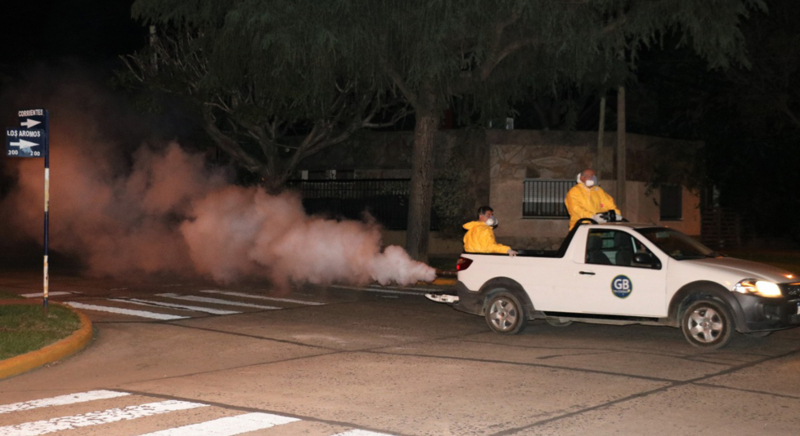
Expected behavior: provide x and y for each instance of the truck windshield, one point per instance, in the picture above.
(677, 245)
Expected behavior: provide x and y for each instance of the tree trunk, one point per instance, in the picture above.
(420, 196)
(622, 152)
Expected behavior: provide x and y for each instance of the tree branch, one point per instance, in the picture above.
(228, 145)
(398, 81)
(495, 59)
(788, 112)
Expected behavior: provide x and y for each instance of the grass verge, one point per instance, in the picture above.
(25, 328)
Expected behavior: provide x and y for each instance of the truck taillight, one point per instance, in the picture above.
(463, 263)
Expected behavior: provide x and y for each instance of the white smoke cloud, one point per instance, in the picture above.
(165, 212)
(239, 231)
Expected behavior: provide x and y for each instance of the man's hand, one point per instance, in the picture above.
(597, 217)
(511, 252)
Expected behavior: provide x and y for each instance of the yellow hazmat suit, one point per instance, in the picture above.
(480, 239)
(583, 202)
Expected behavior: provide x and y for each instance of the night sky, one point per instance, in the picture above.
(50, 30)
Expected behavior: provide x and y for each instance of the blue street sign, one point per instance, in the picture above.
(33, 118)
(25, 143)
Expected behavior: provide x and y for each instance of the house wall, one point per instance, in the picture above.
(517, 155)
(437, 244)
(642, 207)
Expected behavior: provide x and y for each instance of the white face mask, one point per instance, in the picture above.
(588, 183)
(491, 221)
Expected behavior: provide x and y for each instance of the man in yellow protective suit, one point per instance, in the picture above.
(480, 234)
(587, 199)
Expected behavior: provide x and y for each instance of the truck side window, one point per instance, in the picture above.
(596, 253)
(613, 247)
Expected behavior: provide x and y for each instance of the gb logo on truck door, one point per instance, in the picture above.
(621, 286)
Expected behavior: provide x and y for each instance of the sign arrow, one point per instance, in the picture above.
(26, 142)
(29, 123)
(22, 144)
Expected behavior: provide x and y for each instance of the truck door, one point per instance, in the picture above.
(610, 281)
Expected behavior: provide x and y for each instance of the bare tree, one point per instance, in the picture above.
(265, 131)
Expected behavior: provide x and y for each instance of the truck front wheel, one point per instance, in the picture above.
(707, 324)
(505, 314)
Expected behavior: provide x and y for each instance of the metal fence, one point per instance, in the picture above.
(545, 198)
(721, 228)
(385, 200)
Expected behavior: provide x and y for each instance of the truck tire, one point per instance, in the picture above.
(505, 314)
(707, 324)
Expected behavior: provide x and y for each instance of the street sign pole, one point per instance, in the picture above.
(26, 141)
(46, 290)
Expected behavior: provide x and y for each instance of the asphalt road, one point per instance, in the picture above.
(340, 361)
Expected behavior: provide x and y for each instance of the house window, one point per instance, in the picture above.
(671, 204)
(543, 198)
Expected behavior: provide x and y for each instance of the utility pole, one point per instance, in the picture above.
(621, 149)
(601, 130)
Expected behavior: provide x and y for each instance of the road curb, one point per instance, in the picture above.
(59, 350)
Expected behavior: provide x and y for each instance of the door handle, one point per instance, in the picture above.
(586, 273)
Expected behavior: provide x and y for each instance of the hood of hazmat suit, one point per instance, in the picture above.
(480, 239)
(584, 202)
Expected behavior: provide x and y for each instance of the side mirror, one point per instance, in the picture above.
(646, 259)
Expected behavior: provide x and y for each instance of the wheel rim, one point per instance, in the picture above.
(503, 314)
(705, 325)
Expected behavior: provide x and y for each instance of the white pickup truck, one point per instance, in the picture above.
(622, 273)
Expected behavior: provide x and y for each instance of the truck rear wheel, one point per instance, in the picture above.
(505, 314)
(707, 324)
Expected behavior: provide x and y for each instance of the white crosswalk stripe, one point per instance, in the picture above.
(174, 306)
(49, 294)
(118, 309)
(61, 400)
(225, 426)
(62, 423)
(228, 426)
(123, 311)
(262, 297)
(216, 301)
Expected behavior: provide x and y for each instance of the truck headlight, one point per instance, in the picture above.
(761, 288)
